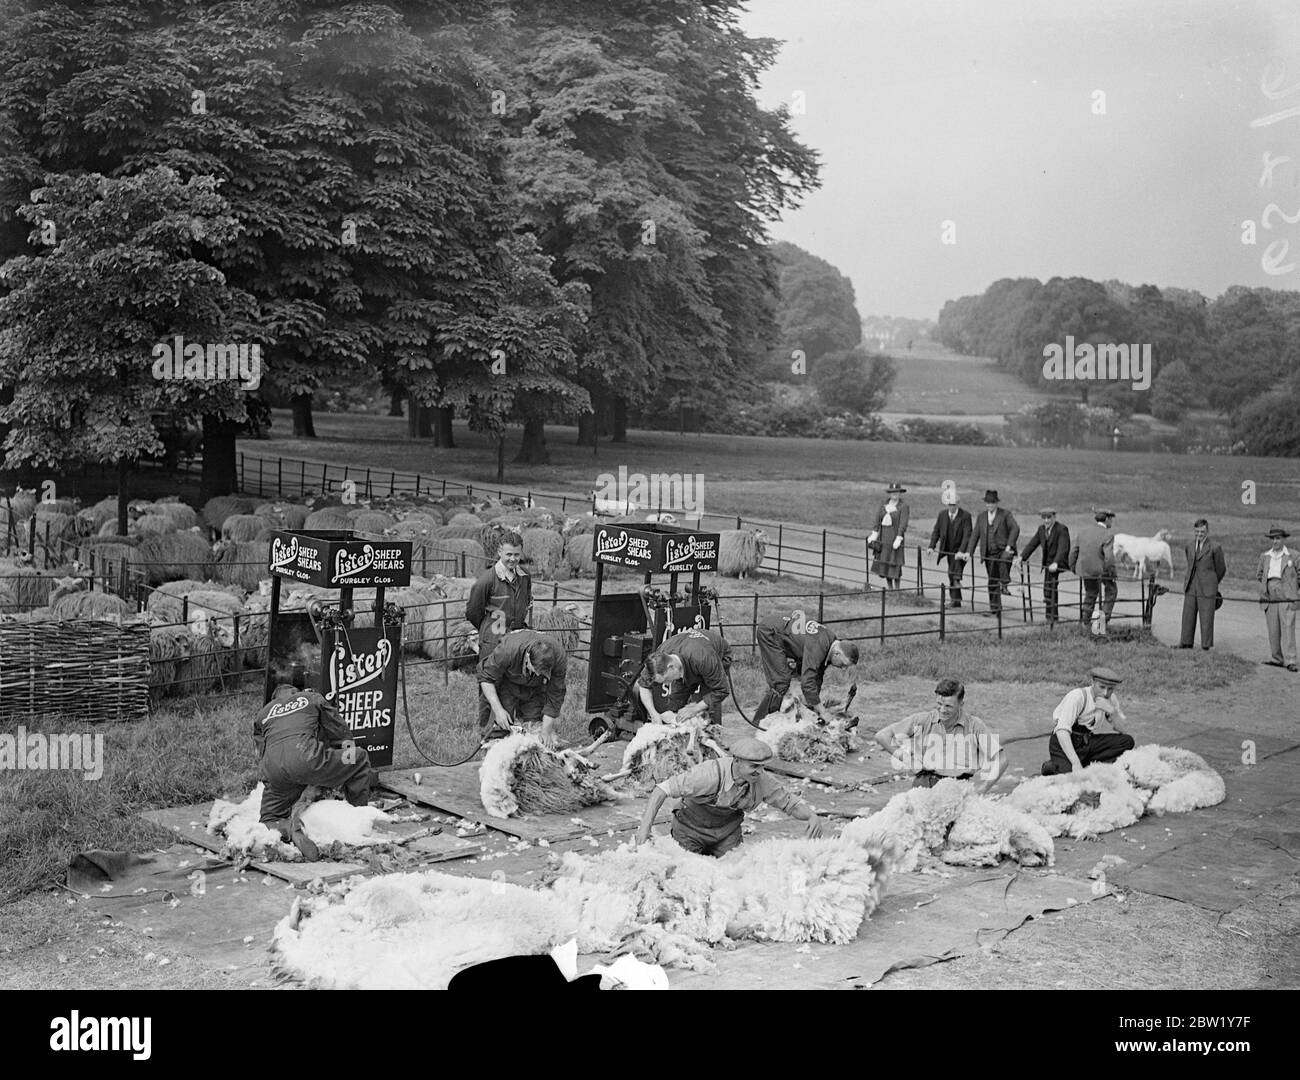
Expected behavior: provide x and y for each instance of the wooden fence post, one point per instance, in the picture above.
(823, 554)
(753, 630)
(780, 528)
(943, 610)
(883, 593)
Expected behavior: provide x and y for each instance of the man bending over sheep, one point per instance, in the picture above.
(523, 679)
(944, 741)
(715, 795)
(690, 667)
(499, 602)
(1074, 745)
(786, 640)
(295, 735)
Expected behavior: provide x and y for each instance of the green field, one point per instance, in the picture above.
(932, 381)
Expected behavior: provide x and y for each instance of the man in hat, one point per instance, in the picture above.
(943, 741)
(499, 602)
(1093, 558)
(787, 641)
(1279, 593)
(715, 795)
(1074, 743)
(950, 535)
(688, 674)
(302, 742)
(1205, 569)
(1054, 539)
(523, 681)
(995, 535)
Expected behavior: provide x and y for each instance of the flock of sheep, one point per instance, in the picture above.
(206, 590)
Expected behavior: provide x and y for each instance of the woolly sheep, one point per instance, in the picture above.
(578, 556)
(242, 527)
(217, 509)
(544, 553)
(175, 555)
(372, 521)
(152, 524)
(520, 776)
(327, 519)
(181, 516)
(463, 519)
(740, 551)
(283, 516)
(446, 555)
(1080, 804)
(1179, 779)
(241, 563)
(564, 621)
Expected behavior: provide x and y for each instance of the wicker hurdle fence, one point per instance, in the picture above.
(89, 671)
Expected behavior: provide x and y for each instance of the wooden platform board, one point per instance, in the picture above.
(456, 791)
(190, 824)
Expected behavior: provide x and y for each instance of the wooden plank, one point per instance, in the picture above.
(190, 824)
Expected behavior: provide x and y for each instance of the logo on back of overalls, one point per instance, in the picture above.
(283, 708)
(282, 554)
(607, 543)
(346, 565)
(362, 669)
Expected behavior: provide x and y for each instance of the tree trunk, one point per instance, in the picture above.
(395, 401)
(123, 496)
(532, 450)
(424, 426)
(586, 429)
(442, 419)
(604, 406)
(620, 420)
(302, 423)
(219, 473)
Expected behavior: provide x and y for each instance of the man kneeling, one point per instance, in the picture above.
(294, 736)
(715, 795)
(1073, 744)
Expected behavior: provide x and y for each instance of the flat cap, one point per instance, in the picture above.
(748, 748)
(1102, 515)
(1047, 511)
(1105, 675)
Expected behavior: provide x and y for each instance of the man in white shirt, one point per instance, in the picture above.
(1279, 593)
(1074, 744)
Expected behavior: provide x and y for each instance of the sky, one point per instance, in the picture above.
(986, 114)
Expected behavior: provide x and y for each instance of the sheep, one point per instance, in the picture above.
(582, 525)
(563, 621)
(422, 627)
(328, 519)
(213, 612)
(182, 517)
(741, 551)
(457, 532)
(79, 604)
(174, 555)
(1143, 549)
(520, 776)
(165, 602)
(466, 520)
(612, 507)
(544, 553)
(658, 751)
(17, 507)
(578, 556)
(447, 554)
(241, 563)
(152, 524)
(1080, 804)
(1178, 779)
(371, 521)
(217, 509)
(242, 527)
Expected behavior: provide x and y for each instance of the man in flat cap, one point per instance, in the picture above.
(1205, 569)
(1093, 558)
(943, 742)
(950, 535)
(715, 795)
(1279, 593)
(1054, 539)
(523, 679)
(1074, 743)
(995, 534)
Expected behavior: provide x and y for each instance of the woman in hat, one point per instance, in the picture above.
(715, 795)
(1279, 593)
(886, 539)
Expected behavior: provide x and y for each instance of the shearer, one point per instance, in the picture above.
(945, 742)
(296, 734)
(687, 675)
(715, 795)
(786, 641)
(1074, 744)
(498, 603)
(523, 679)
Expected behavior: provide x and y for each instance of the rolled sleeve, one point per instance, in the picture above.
(775, 794)
(697, 781)
(1066, 713)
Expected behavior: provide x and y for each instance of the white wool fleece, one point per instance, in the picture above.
(494, 774)
(1048, 799)
(1180, 779)
(244, 834)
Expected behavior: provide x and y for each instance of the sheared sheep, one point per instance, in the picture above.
(613, 507)
(520, 776)
(1080, 804)
(1179, 779)
(659, 751)
(741, 551)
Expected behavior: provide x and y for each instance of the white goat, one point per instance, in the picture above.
(1143, 549)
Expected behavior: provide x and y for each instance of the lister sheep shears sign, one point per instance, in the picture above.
(338, 560)
(656, 549)
(359, 676)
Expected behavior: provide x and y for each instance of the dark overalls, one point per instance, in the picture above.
(1090, 747)
(292, 739)
(708, 820)
(492, 594)
(524, 697)
(706, 667)
(778, 646)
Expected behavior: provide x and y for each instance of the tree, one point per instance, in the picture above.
(79, 327)
(1251, 347)
(1269, 426)
(816, 313)
(847, 380)
(1173, 393)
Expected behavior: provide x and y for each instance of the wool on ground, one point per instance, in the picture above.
(1178, 779)
(326, 821)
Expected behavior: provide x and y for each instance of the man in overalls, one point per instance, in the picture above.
(786, 640)
(523, 680)
(294, 734)
(499, 602)
(1074, 744)
(715, 795)
(688, 674)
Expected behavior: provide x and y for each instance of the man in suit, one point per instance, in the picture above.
(1092, 557)
(1205, 569)
(950, 535)
(1054, 539)
(1279, 592)
(995, 535)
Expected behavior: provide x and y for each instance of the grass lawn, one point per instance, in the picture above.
(933, 381)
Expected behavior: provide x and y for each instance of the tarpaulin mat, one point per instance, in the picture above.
(923, 919)
(189, 823)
